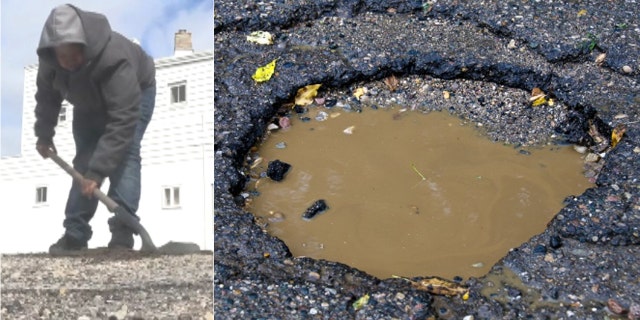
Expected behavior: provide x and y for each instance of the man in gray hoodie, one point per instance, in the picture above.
(110, 81)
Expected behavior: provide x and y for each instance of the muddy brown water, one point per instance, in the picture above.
(478, 198)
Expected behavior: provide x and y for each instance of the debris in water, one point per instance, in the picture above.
(579, 149)
(277, 169)
(322, 116)
(418, 172)
(349, 130)
(317, 207)
(478, 265)
(256, 162)
(284, 122)
(281, 145)
(275, 216)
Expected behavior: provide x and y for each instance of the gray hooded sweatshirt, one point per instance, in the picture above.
(105, 91)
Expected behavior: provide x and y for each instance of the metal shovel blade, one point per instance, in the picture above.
(120, 212)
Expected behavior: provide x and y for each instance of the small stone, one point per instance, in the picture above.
(591, 157)
(512, 44)
(615, 307)
(600, 59)
(317, 207)
(478, 265)
(284, 122)
(322, 116)
(313, 276)
(184, 316)
(313, 311)
(277, 169)
(555, 242)
(549, 258)
(634, 311)
(349, 130)
(281, 145)
(320, 101)
(615, 187)
(330, 103)
(276, 217)
(84, 318)
(299, 109)
(580, 149)
(324, 305)
(470, 317)
(627, 69)
(540, 249)
(399, 296)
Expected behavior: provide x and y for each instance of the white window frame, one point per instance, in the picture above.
(64, 107)
(39, 202)
(177, 85)
(173, 202)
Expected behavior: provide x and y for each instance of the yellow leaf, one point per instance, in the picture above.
(264, 73)
(465, 296)
(359, 92)
(306, 94)
(538, 97)
(446, 94)
(260, 37)
(617, 133)
(582, 12)
(361, 302)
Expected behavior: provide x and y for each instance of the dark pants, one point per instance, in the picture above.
(124, 182)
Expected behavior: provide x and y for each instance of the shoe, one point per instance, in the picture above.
(121, 239)
(67, 245)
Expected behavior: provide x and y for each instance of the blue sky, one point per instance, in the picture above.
(152, 22)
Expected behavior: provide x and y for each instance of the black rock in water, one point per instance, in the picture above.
(314, 209)
(277, 169)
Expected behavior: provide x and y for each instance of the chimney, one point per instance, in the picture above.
(182, 45)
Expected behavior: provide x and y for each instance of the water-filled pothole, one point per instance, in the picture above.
(477, 200)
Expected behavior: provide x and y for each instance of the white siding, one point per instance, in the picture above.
(177, 150)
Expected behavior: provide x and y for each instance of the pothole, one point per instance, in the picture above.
(409, 193)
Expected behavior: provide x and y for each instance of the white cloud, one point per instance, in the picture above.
(152, 22)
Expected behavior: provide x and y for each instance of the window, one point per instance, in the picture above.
(41, 195)
(171, 197)
(178, 92)
(62, 117)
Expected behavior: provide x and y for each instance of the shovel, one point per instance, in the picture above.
(120, 212)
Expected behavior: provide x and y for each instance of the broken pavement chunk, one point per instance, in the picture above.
(277, 169)
(317, 207)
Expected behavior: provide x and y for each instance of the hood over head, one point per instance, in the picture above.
(68, 24)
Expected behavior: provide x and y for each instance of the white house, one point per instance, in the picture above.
(177, 164)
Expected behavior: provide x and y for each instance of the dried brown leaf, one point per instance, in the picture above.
(391, 82)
